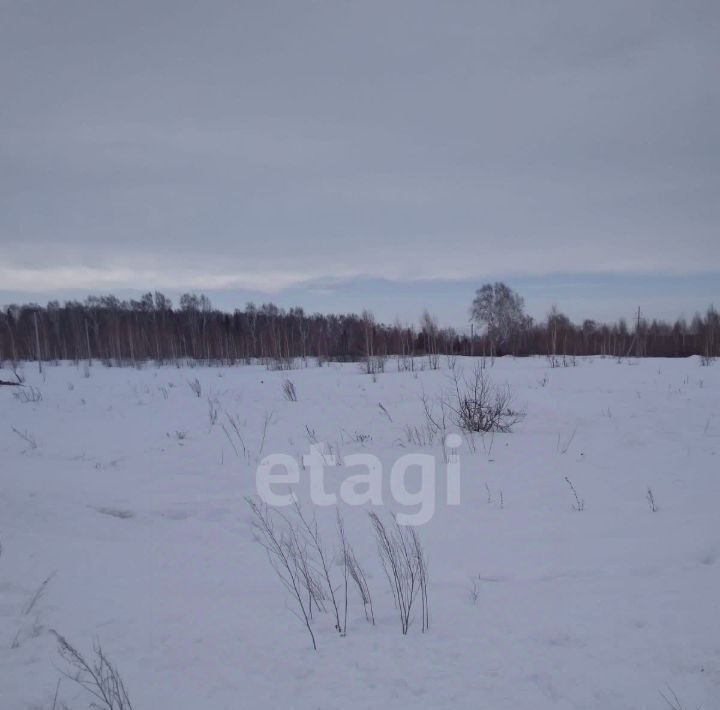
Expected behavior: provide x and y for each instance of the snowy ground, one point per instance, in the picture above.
(134, 503)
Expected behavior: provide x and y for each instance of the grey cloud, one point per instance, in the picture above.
(308, 139)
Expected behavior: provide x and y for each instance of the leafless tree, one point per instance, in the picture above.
(501, 311)
(368, 326)
(431, 334)
(120, 332)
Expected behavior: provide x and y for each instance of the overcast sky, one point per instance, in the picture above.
(293, 150)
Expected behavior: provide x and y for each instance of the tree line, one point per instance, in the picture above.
(119, 332)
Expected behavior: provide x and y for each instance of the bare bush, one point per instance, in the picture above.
(357, 574)
(346, 569)
(267, 421)
(287, 557)
(39, 593)
(651, 500)
(27, 437)
(564, 445)
(235, 424)
(405, 567)
(99, 677)
(474, 589)
(307, 568)
(359, 437)
(289, 391)
(436, 415)
(385, 412)
(28, 395)
(34, 628)
(405, 363)
(280, 363)
(373, 364)
(579, 504)
(477, 405)
(212, 412)
(422, 568)
(313, 533)
(196, 387)
(673, 701)
(420, 436)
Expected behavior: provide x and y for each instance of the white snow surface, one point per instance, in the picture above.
(134, 504)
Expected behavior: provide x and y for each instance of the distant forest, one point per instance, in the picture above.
(119, 332)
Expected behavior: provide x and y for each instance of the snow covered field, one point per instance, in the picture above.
(120, 489)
